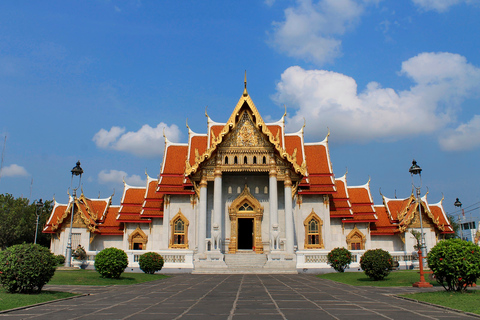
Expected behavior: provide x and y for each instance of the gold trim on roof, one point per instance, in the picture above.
(259, 124)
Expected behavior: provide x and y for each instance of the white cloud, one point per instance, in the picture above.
(146, 142)
(465, 137)
(329, 99)
(13, 170)
(441, 5)
(311, 30)
(117, 177)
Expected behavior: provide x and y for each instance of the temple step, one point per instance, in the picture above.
(245, 260)
(246, 263)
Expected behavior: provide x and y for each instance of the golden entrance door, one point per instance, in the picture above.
(246, 215)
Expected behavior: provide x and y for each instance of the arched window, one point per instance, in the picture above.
(235, 160)
(137, 240)
(254, 159)
(179, 235)
(226, 160)
(313, 231)
(356, 240)
(264, 161)
(245, 160)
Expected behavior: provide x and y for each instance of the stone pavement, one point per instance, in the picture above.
(247, 296)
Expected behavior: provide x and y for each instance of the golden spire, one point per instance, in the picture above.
(245, 93)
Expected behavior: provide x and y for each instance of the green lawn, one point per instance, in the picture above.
(71, 277)
(403, 278)
(92, 278)
(15, 300)
(468, 301)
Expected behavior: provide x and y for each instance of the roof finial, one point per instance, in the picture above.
(187, 124)
(285, 110)
(245, 93)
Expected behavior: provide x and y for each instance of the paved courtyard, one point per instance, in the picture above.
(236, 296)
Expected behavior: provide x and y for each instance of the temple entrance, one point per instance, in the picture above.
(246, 215)
(245, 234)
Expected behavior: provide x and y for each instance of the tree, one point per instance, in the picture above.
(18, 221)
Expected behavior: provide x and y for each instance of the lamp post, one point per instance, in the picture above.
(76, 171)
(38, 206)
(458, 204)
(414, 170)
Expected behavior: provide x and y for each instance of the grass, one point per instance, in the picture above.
(468, 301)
(71, 277)
(403, 278)
(15, 300)
(92, 278)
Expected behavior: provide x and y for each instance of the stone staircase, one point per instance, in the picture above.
(246, 263)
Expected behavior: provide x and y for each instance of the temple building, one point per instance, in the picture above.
(246, 196)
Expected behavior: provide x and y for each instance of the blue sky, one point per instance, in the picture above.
(99, 81)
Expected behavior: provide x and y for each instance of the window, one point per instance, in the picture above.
(264, 161)
(137, 240)
(179, 232)
(179, 235)
(313, 237)
(356, 239)
(313, 231)
(245, 207)
(235, 160)
(76, 239)
(226, 160)
(245, 160)
(254, 160)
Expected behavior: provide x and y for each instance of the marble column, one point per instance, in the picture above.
(217, 207)
(273, 202)
(288, 214)
(202, 216)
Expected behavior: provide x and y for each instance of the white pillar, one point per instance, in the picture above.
(202, 216)
(288, 214)
(273, 199)
(217, 209)
(166, 222)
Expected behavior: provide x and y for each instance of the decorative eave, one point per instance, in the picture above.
(260, 125)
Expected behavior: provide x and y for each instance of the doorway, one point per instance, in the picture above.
(245, 234)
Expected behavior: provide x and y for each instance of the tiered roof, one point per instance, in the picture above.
(98, 215)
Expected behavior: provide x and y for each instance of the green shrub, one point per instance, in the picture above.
(339, 259)
(111, 262)
(455, 263)
(150, 262)
(376, 264)
(60, 258)
(26, 268)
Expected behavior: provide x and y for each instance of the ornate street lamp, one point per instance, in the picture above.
(38, 212)
(458, 204)
(76, 171)
(414, 170)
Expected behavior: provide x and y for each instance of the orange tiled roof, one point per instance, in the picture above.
(383, 225)
(153, 204)
(276, 129)
(97, 215)
(293, 142)
(197, 142)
